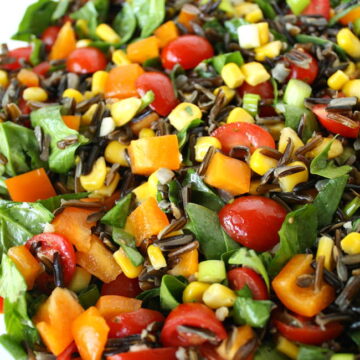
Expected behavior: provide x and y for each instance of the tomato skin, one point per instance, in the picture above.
(17, 54)
(307, 75)
(150, 354)
(49, 36)
(1, 305)
(190, 314)
(86, 60)
(243, 134)
(242, 276)
(42, 68)
(67, 353)
(318, 7)
(186, 50)
(51, 243)
(253, 221)
(265, 90)
(133, 322)
(160, 84)
(122, 286)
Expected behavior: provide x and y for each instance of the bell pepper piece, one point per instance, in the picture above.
(112, 305)
(64, 44)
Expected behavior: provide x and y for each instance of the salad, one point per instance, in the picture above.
(180, 180)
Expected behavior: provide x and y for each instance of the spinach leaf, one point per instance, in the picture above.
(268, 351)
(89, 296)
(297, 233)
(36, 19)
(12, 348)
(60, 10)
(255, 313)
(328, 199)
(183, 134)
(232, 25)
(313, 352)
(147, 99)
(54, 203)
(244, 292)
(118, 214)
(220, 61)
(102, 7)
(205, 225)
(322, 167)
(18, 144)
(355, 337)
(89, 13)
(171, 290)
(49, 119)
(267, 9)
(3, 188)
(125, 23)
(150, 299)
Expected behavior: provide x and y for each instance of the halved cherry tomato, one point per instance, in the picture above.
(253, 221)
(186, 50)
(308, 74)
(160, 84)
(86, 60)
(122, 286)
(191, 314)
(209, 352)
(16, 55)
(67, 353)
(131, 323)
(49, 36)
(318, 7)
(1, 305)
(42, 68)
(49, 243)
(242, 276)
(243, 134)
(265, 90)
(150, 354)
(333, 125)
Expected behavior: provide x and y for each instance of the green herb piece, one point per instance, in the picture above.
(60, 10)
(125, 23)
(297, 6)
(232, 25)
(268, 351)
(171, 290)
(88, 13)
(54, 203)
(296, 92)
(183, 135)
(251, 103)
(150, 299)
(12, 348)
(102, 7)
(35, 56)
(146, 100)
(244, 292)
(89, 296)
(266, 8)
(118, 214)
(313, 352)
(220, 61)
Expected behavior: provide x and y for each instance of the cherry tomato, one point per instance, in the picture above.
(122, 286)
(242, 276)
(49, 36)
(23, 106)
(1, 305)
(318, 7)
(243, 134)
(67, 353)
(253, 221)
(191, 314)
(16, 55)
(86, 60)
(186, 50)
(307, 75)
(333, 125)
(160, 84)
(49, 243)
(150, 354)
(42, 68)
(265, 90)
(209, 352)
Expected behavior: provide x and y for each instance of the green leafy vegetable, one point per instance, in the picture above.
(89, 296)
(220, 61)
(244, 292)
(267, 351)
(171, 290)
(313, 352)
(118, 214)
(232, 25)
(125, 23)
(267, 9)
(88, 13)
(60, 10)
(35, 57)
(13, 348)
(146, 100)
(150, 299)
(102, 7)
(54, 202)
(183, 134)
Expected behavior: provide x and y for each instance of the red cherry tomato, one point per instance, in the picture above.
(209, 352)
(160, 84)
(86, 60)
(67, 353)
(48, 244)
(1, 305)
(133, 322)
(186, 50)
(253, 221)
(242, 276)
(49, 36)
(122, 286)
(191, 314)
(23, 106)
(150, 354)
(318, 7)
(333, 125)
(265, 90)
(307, 75)
(243, 134)
(42, 68)
(16, 55)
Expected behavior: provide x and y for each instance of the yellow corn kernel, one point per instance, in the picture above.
(217, 295)
(203, 144)
(119, 58)
(73, 94)
(232, 75)
(238, 114)
(182, 116)
(4, 78)
(88, 95)
(287, 347)
(349, 42)
(83, 43)
(82, 26)
(261, 163)
(275, 130)
(287, 183)
(336, 149)
(269, 50)
(350, 71)
(88, 116)
(146, 133)
(95, 180)
(123, 111)
(264, 33)
(194, 291)
(35, 94)
(131, 271)
(254, 16)
(289, 133)
(325, 249)
(107, 33)
(352, 88)
(228, 93)
(254, 187)
(351, 243)
(337, 80)
(255, 73)
(245, 8)
(115, 153)
(143, 192)
(107, 190)
(98, 82)
(156, 257)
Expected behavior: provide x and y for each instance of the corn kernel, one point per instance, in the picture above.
(228, 93)
(351, 243)
(264, 33)
(287, 347)
(106, 190)
(286, 134)
(254, 16)
(182, 116)
(203, 144)
(288, 182)
(275, 130)
(238, 114)
(349, 42)
(337, 80)
(325, 249)
(245, 8)
(146, 133)
(35, 94)
(352, 88)
(336, 148)
(96, 178)
(217, 295)
(194, 291)
(261, 163)
(255, 73)
(86, 119)
(115, 153)
(254, 187)
(83, 43)
(232, 75)
(350, 71)
(119, 58)
(4, 78)
(123, 111)
(88, 95)
(98, 82)
(156, 257)
(73, 94)
(269, 50)
(107, 33)
(130, 271)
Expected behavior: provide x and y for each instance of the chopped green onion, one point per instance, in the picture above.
(352, 207)
(251, 103)
(296, 92)
(297, 6)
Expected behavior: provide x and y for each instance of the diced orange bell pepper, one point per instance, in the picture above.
(188, 264)
(143, 50)
(54, 319)
(31, 186)
(303, 301)
(351, 16)
(187, 14)
(146, 220)
(228, 174)
(90, 332)
(166, 33)
(65, 43)
(99, 261)
(150, 154)
(72, 223)
(121, 82)
(26, 263)
(28, 78)
(112, 305)
(72, 121)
